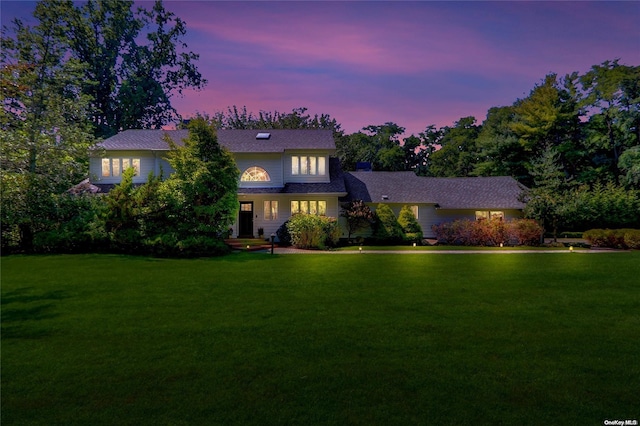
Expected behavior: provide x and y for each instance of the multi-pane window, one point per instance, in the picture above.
(485, 215)
(115, 166)
(309, 207)
(255, 174)
(308, 165)
(271, 210)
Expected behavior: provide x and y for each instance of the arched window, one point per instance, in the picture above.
(255, 174)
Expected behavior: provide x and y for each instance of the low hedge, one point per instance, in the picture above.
(614, 238)
(489, 233)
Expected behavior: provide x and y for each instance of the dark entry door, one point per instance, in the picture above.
(245, 222)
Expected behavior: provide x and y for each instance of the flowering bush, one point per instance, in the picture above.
(488, 232)
(309, 231)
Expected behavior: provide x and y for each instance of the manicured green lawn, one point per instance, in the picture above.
(517, 339)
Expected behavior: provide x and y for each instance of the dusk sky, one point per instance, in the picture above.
(413, 63)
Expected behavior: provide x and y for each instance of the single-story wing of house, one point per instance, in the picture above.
(436, 200)
(284, 172)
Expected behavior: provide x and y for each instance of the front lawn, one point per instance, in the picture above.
(257, 339)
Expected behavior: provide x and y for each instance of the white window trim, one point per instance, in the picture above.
(308, 165)
(107, 168)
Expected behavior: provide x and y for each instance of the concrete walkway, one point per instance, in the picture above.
(290, 250)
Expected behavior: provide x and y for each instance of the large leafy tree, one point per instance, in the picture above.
(458, 154)
(611, 94)
(45, 133)
(134, 61)
(500, 152)
(298, 118)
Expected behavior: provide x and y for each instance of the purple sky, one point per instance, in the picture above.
(413, 63)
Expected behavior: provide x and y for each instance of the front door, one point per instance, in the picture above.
(245, 222)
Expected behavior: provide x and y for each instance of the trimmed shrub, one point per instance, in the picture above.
(488, 232)
(309, 231)
(284, 237)
(386, 228)
(632, 238)
(410, 226)
(613, 238)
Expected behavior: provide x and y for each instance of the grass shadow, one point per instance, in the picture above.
(22, 311)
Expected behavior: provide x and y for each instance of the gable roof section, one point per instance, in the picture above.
(496, 192)
(280, 140)
(499, 192)
(399, 187)
(142, 140)
(233, 140)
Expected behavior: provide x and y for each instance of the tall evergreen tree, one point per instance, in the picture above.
(45, 135)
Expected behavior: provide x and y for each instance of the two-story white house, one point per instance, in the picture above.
(283, 172)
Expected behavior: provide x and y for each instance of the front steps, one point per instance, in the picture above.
(248, 244)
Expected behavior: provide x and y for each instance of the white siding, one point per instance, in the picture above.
(426, 217)
(272, 163)
(284, 209)
(305, 178)
(147, 164)
(449, 215)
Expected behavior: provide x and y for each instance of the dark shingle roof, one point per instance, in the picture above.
(142, 140)
(280, 140)
(234, 140)
(448, 193)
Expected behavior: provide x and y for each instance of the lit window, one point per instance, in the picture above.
(305, 165)
(106, 167)
(322, 208)
(414, 210)
(136, 165)
(322, 166)
(255, 174)
(115, 166)
(270, 210)
(309, 207)
(482, 215)
(497, 215)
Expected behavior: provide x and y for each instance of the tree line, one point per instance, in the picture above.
(85, 71)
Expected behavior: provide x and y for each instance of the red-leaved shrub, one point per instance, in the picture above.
(488, 232)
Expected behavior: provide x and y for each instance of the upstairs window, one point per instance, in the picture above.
(255, 174)
(308, 165)
(115, 166)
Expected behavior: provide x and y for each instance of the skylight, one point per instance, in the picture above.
(263, 135)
